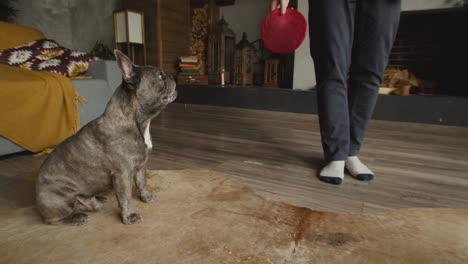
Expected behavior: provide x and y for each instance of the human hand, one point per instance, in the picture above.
(283, 4)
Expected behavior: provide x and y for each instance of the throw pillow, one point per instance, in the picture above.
(47, 55)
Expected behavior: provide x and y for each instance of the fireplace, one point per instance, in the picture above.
(433, 46)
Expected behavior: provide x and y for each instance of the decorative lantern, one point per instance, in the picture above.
(221, 42)
(243, 62)
(129, 30)
(272, 72)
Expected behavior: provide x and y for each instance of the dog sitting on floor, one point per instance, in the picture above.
(109, 152)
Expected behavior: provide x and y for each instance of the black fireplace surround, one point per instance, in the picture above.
(433, 45)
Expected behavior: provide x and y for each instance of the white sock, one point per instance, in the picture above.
(333, 172)
(358, 170)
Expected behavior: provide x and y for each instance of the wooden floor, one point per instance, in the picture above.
(279, 155)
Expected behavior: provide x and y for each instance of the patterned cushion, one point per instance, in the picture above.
(47, 55)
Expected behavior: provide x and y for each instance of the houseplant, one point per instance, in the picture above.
(102, 51)
(7, 11)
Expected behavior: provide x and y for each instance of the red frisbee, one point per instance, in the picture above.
(282, 34)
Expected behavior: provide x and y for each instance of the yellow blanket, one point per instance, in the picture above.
(38, 110)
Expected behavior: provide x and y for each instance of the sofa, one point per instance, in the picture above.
(97, 91)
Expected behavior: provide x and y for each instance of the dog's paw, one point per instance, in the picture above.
(149, 198)
(76, 219)
(101, 198)
(132, 219)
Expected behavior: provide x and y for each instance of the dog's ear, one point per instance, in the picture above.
(126, 66)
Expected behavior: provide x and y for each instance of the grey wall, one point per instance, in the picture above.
(407, 5)
(52, 17)
(92, 20)
(304, 71)
(246, 15)
(75, 24)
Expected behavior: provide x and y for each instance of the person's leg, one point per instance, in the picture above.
(331, 24)
(376, 26)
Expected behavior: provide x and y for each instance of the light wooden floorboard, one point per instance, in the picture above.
(279, 155)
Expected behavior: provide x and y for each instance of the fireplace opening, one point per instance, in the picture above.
(430, 53)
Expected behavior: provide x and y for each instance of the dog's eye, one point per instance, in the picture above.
(160, 75)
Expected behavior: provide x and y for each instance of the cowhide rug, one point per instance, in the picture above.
(206, 217)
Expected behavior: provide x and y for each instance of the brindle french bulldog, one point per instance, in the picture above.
(109, 152)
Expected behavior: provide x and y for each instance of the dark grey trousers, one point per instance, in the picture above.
(355, 38)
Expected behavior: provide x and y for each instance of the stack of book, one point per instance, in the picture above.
(189, 65)
(190, 73)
